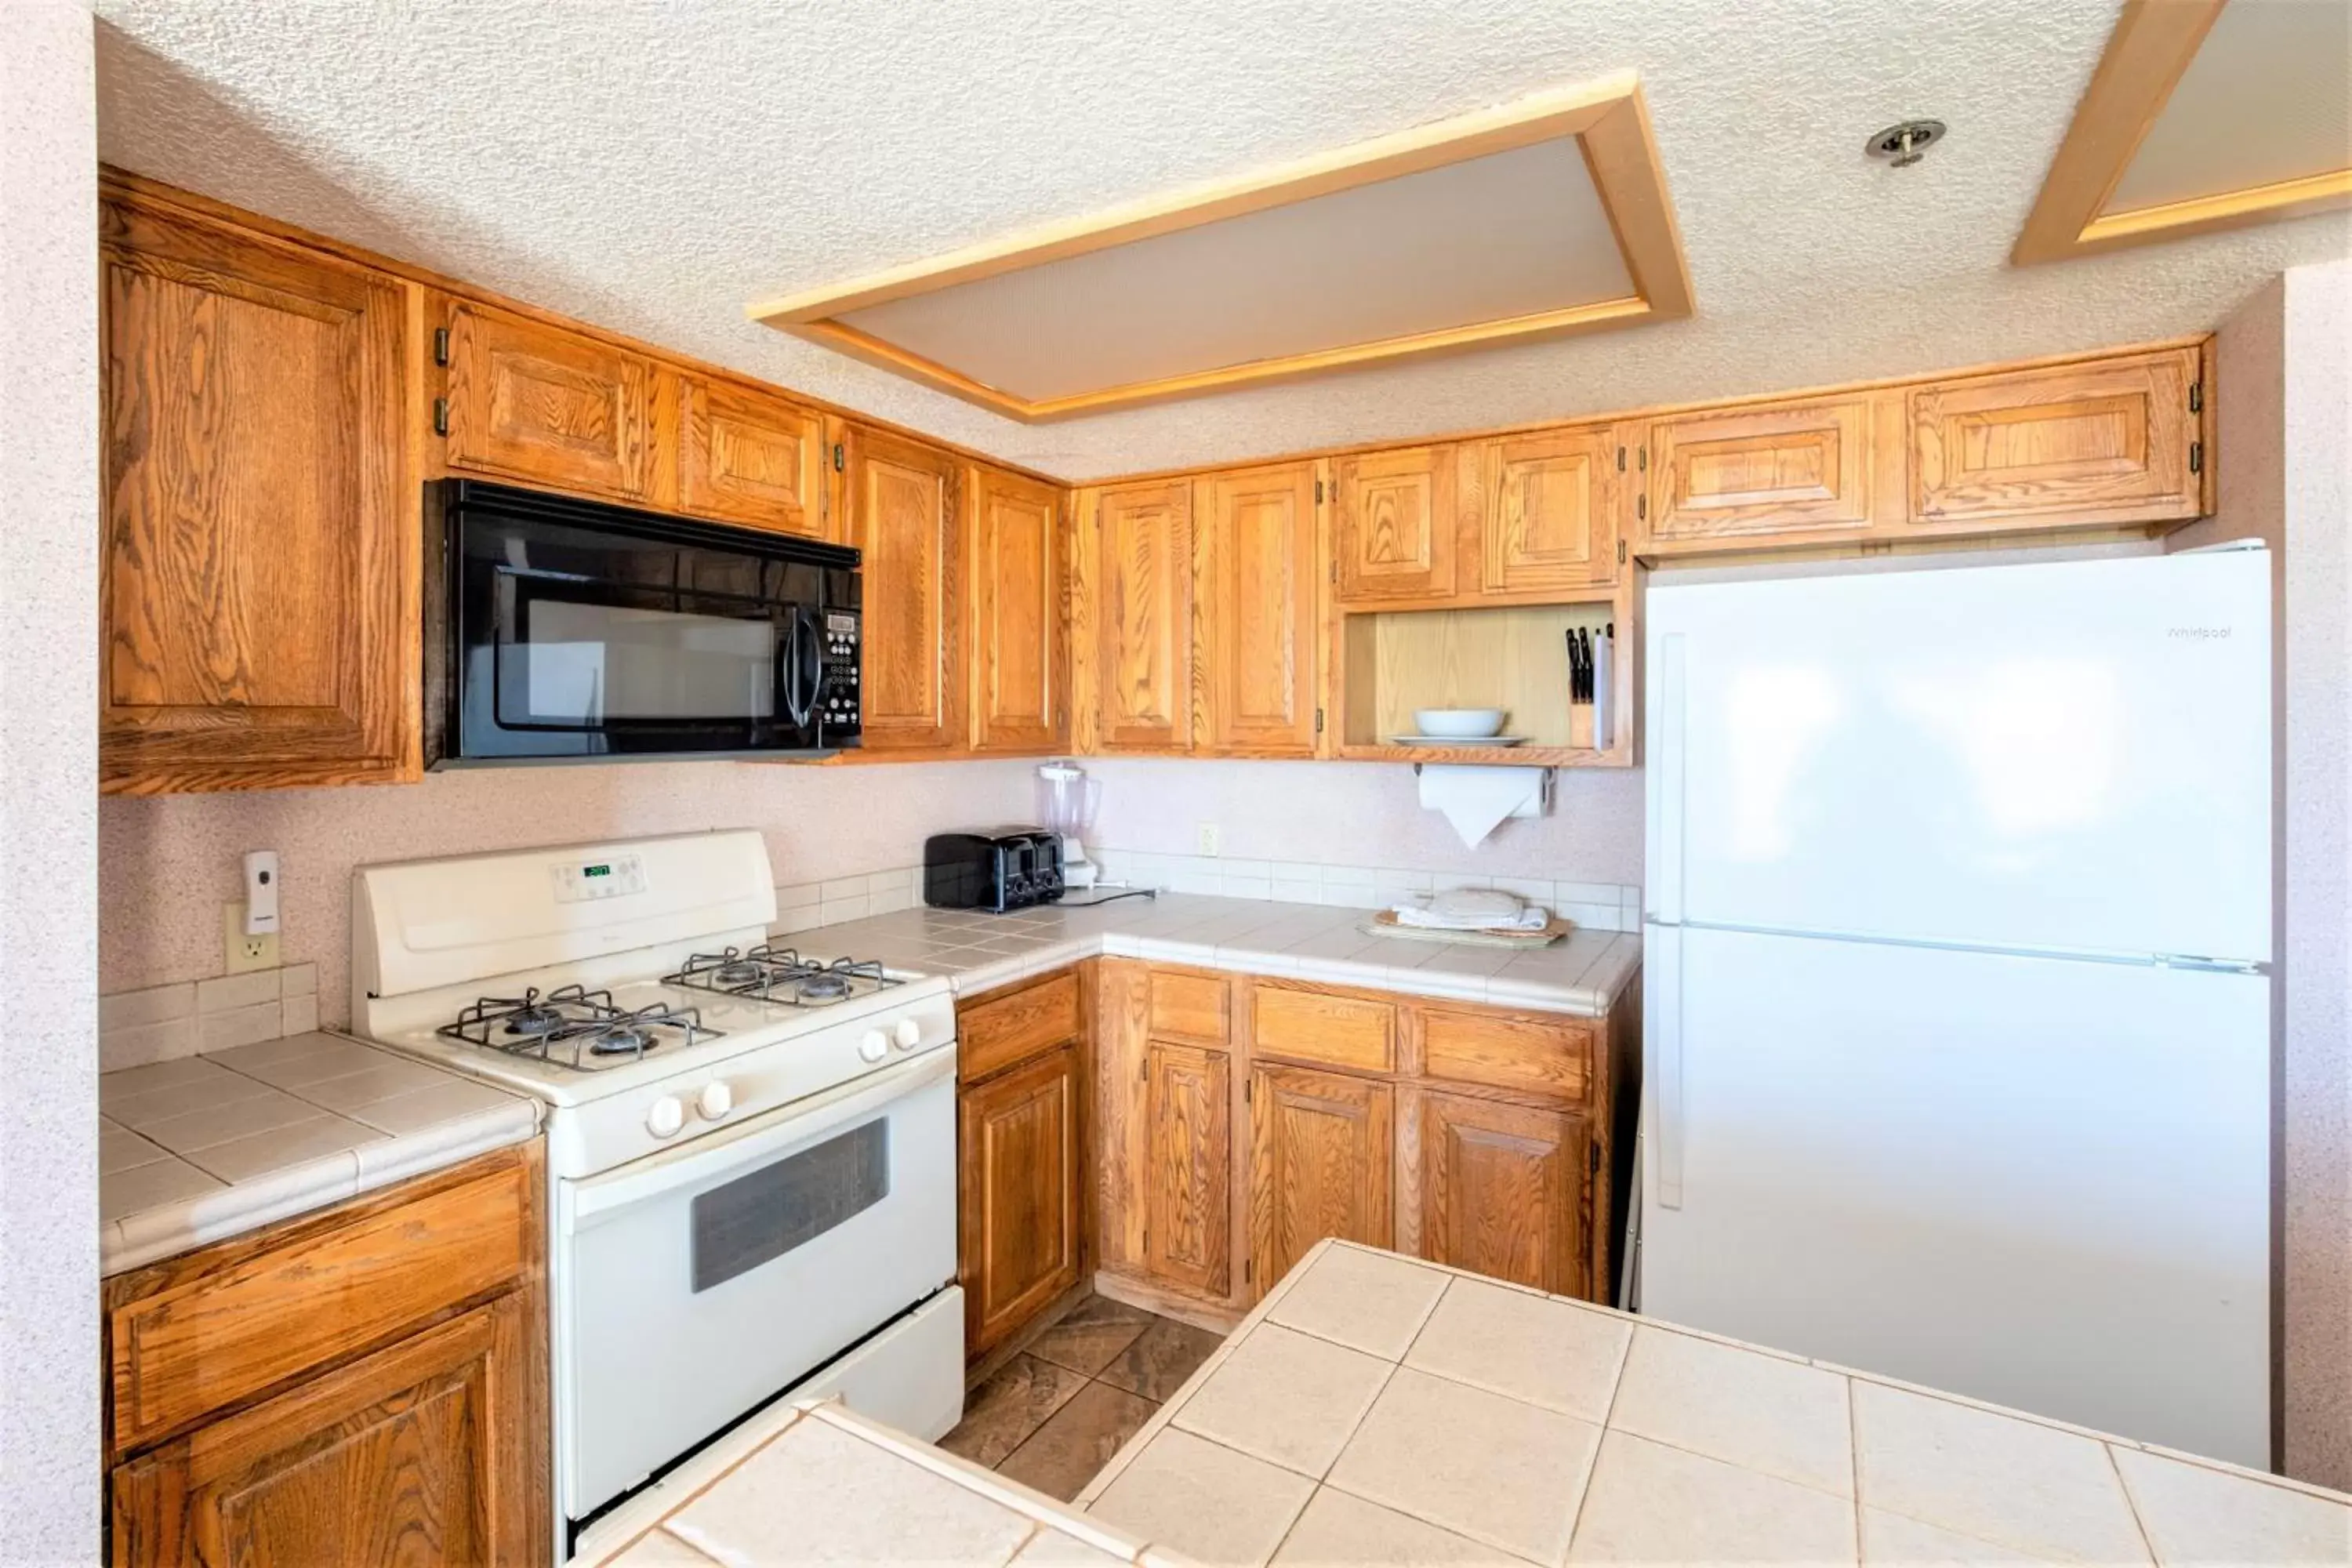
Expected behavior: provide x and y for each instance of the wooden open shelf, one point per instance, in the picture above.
(1509, 656)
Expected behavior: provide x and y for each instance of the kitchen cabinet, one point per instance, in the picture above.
(1321, 1164)
(528, 401)
(1829, 466)
(1393, 524)
(902, 508)
(1019, 642)
(365, 1385)
(752, 458)
(1131, 618)
(1256, 611)
(1548, 511)
(1188, 1205)
(259, 566)
(1021, 1057)
(1504, 1191)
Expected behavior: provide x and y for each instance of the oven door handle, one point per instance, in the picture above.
(588, 1202)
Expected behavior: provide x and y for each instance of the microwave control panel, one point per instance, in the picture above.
(836, 693)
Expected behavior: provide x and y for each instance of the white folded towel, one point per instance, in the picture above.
(1472, 909)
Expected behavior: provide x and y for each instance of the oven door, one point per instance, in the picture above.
(696, 1284)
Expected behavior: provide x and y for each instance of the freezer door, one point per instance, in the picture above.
(2039, 1181)
(2073, 755)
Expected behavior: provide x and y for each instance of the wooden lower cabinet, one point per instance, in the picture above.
(1321, 1164)
(1188, 1202)
(367, 1385)
(1504, 1191)
(1019, 1198)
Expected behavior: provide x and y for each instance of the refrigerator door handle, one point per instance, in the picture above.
(1662, 984)
(1665, 868)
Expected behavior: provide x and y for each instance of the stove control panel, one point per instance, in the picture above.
(613, 877)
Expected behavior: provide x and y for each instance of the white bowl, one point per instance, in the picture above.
(1460, 723)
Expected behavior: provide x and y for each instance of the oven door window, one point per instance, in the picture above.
(758, 1218)
(594, 656)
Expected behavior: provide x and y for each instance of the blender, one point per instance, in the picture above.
(1066, 805)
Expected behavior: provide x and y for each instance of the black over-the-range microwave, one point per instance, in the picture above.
(563, 630)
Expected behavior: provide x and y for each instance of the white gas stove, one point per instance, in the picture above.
(751, 1154)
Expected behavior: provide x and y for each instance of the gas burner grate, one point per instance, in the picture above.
(575, 1027)
(770, 973)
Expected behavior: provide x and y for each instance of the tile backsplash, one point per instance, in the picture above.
(164, 1023)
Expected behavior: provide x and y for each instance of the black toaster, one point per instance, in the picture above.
(1004, 869)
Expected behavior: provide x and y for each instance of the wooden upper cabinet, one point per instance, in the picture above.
(1188, 1175)
(902, 509)
(1018, 651)
(1131, 621)
(1393, 522)
(2102, 441)
(1548, 514)
(1322, 1148)
(540, 406)
(1793, 468)
(1019, 1203)
(751, 458)
(1254, 614)
(259, 601)
(1504, 1191)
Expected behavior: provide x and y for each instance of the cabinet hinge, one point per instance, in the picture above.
(1621, 552)
(2196, 457)
(2196, 397)
(1593, 1157)
(440, 345)
(1621, 459)
(1318, 492)
(1249, 1091)
(837, 458)
(1334, 572)
(440, 416)
(1249, 1271)
(1318, 720)
(1642, 458)
(1641, 506)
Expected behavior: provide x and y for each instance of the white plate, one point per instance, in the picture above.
(1457, 739)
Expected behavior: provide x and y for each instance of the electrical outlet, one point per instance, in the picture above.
(242, 953)
(1210, 839)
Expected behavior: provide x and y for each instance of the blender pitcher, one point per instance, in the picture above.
(1066, 804)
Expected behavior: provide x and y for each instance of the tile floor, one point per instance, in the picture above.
(1056, 1412)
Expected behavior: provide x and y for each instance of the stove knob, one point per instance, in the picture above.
(715, 1100)
(907, 1034)
(873, 1048)
(665, 1117)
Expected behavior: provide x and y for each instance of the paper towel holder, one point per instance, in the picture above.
(1549, 773)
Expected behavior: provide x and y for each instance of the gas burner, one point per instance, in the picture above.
(827, 987)
(621, 1039)
(596, 1033)
(534, 1020)
(738, 972)
(769, 974)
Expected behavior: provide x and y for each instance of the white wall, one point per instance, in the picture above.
(49, 652)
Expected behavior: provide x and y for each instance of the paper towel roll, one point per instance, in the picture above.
(1476, 800)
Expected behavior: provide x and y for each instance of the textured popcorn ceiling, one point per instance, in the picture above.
(653, 166)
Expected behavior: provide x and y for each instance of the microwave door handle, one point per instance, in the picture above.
(804, 620)
(788, 672)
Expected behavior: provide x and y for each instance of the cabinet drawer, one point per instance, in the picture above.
(1006, 1029)
(209, 1340)
(1192, 1007)
(1338, 1031)
(1532, 1055)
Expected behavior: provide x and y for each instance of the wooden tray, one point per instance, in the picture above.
(1385, 924)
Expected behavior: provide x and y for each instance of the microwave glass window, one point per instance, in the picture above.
(588, 662)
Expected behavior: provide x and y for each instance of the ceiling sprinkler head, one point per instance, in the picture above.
(1904, 144)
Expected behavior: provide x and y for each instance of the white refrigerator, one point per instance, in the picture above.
(1956, 982)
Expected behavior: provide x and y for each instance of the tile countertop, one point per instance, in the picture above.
(1582, 973)
(201, 1148)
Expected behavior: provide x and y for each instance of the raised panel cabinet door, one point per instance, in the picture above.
(1254, 611)
(259, 584)
(1393, 524)
(2103, 442)
(1550, 518)
(752, 458)
(1803, 469)
(903, 510)
(1019, 1139)
(1016, 591)
(534, 403)
(1188, 1180)
(430, 1451)
(1133, 617)
(1504, 1191)
(1322, 1163)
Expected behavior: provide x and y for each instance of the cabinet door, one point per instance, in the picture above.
(1016, 593)
(1019, 1203)
(1550, 503)
(1254, 611)
(1504, 1192)
(1802, 468)
(1132, 619)
(428, 1452)
(1323, 1163)
(1393, 524)
(2107, 442)
(260, 579)
(902, 512)
(1188, 1190)
(545, 406)
(752, 458)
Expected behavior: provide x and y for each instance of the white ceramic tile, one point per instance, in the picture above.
(1463, 959)
(151, 1186)
(1587, 892)
(834, 888)
(798, 895)
(421, 1144)
(142, 1080)
(140, 1111)
(1891, 1541)
(226, 993)
(657, 1549)
(1535, 891)
(283, 1148)
(240, 1027)
(1371, 1301)
(380, 1079)
(1551, 1352)
(1056, 1549)
(128, 1009)
(1287, 1397)
(1760, 1412)
(1304, 892)
(1339, 1531)
(818, 1494)
(1496, 1469)
(298, 1059)
(299, 980)
(1217, 1507)
(2016, 1483)
(845, 907)
(1652, 1503)
(119, 1149)
(2193, 1514)
(270, 1111)
(139, 1044)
